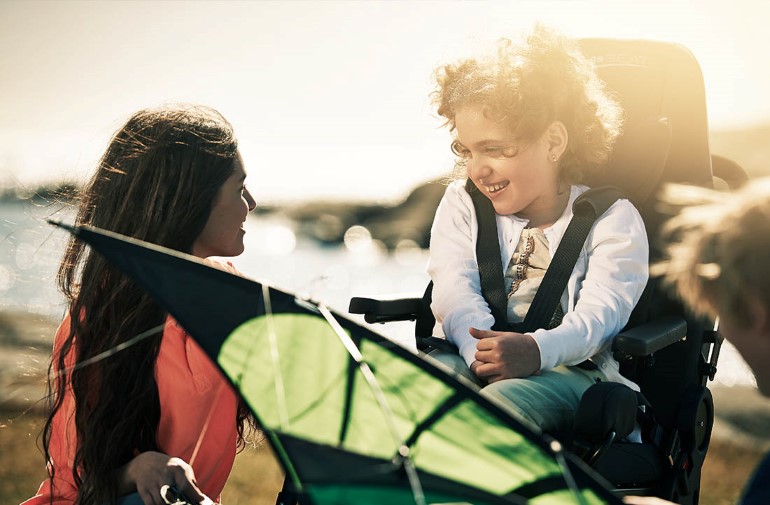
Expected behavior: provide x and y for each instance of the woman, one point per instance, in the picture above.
(156, 413)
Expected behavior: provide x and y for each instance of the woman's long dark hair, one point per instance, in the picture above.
(157, 182)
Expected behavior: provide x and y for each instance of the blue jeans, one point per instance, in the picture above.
(547, 402)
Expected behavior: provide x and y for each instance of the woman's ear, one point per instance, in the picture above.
(557, 138)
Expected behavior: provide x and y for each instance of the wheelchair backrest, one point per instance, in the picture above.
(665, 139)
(656, 82)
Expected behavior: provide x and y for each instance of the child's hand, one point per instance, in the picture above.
(504, 355)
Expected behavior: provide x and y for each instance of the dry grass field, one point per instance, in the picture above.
(741, 436)
(257, 478)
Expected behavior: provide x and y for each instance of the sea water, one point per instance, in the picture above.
(30, 250)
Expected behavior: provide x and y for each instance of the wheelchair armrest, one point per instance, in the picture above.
(649, 337)
(385, 311)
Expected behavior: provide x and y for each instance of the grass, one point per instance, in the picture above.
(257, 478)
(727, 468)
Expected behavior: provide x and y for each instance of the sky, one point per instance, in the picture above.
(329, 99)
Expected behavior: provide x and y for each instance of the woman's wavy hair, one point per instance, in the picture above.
(528, 85)
(157, 182)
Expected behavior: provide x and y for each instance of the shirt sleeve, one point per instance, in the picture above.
(457, 302)
(616, 273)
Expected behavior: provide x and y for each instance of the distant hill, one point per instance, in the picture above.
(410, 219)
(64, 192)
(749, 147)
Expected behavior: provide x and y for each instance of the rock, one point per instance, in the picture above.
(409, 220)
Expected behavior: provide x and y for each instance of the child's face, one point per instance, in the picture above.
(223, 233)
(524, 183)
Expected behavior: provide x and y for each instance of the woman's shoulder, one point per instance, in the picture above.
(172, 329)
(225, 265)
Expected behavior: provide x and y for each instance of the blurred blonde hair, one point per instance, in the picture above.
(717, 259)
(528, 85)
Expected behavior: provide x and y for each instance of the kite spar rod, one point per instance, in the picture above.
(371, 380)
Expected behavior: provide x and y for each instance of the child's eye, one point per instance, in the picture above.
(460, 150)
(501, 151)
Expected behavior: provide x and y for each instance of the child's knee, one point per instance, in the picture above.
(511, 392)
(455, 363)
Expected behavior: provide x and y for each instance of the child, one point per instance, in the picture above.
(718, 264)
(130, 421)
(528, 122)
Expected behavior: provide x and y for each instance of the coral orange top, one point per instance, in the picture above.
(197, 418)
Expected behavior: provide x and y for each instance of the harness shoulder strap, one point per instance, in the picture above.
(488, 257)
(586, 209)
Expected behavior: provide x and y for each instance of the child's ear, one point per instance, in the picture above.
(557, 137)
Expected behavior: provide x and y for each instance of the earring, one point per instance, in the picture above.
(554, 158)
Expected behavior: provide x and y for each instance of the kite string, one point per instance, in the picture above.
(379, 395)
(205, 427)
(125, 345)
(112, 351)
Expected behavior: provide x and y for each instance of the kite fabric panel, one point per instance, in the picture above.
(352, 417)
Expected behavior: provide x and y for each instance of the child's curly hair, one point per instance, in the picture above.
(529, 85)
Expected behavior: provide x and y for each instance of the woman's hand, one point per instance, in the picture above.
(148, 472)
(645, 500)
(504, 355)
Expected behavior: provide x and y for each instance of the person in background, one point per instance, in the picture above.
(137, 408)
(717, 262)
(527, 122)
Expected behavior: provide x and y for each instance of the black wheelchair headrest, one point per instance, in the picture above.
(638, 159)
(665, 138)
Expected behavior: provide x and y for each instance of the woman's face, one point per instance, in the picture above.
(223, 233)
(521, 180)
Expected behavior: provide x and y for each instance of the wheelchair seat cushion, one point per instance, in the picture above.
(631, 465)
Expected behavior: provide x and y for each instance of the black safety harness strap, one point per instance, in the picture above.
(586, 209)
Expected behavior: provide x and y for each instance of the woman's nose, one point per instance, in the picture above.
(249, 200)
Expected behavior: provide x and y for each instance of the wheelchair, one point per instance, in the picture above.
(670, 353)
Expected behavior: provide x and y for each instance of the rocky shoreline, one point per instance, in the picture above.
(390, 224)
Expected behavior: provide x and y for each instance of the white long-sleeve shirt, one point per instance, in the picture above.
(605, 285)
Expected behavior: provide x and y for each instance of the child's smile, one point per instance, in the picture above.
(521, 180)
